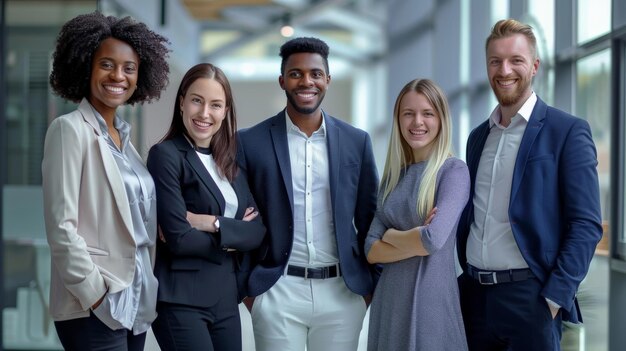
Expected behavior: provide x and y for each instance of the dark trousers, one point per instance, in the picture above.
(183, 327)
(90, 333)
(509, 316)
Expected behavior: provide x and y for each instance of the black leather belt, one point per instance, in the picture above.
(497, 277)
(314, 273)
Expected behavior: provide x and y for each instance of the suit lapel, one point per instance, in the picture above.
(476, 146)
(242, 201)
(111, 170)
(334, 156)
(201, 171)
(278, 132)
(535, 123)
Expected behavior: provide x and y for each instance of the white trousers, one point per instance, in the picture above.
(322, 314)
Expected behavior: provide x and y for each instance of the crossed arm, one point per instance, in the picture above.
(397, 245)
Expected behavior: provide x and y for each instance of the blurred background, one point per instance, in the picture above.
(376, 46)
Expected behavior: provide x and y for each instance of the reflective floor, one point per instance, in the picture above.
(593, 299)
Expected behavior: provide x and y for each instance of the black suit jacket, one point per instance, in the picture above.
(193, 266)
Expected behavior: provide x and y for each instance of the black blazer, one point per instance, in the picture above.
(193, 266)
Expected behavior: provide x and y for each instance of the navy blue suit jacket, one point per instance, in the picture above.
(554, 207)
(264, 156)
(192, 266)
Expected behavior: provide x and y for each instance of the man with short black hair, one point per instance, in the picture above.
(315, 182)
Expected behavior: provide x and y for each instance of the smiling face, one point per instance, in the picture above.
(419, 124)
(511, 65)
(305, 82)
(203, 109)
(114, 72)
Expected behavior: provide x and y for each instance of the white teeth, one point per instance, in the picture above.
(202, 124)
(506, 82)
(114, 89)
(307, 96)
(417, 132)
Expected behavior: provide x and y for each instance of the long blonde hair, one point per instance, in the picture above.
(400, 154)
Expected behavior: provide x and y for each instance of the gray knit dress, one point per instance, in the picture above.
(416, 302)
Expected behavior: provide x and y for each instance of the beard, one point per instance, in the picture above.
(511, 98)
(301, 109)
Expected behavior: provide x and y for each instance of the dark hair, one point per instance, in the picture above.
(304, 44)
(81, 36)
(224, 142)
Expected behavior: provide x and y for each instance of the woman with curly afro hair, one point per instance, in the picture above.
(99, 199)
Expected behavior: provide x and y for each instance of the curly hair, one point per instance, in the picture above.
(303, 44)
(81, 36)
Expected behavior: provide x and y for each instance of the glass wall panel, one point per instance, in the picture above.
(541, 18)
(594, 19)
(31, 29)
(499, 10)
(593, 103)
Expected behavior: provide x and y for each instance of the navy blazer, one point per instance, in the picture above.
(554, 207)
(192, 266)
(264, 157)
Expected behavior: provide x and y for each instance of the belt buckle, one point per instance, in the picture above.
(487, 274)
(325, 272)
(306, 273)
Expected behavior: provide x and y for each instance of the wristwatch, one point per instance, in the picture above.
(216, 224)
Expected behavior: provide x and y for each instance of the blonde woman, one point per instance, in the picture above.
(423, 192)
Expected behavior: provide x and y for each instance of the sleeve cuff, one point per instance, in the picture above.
(552, 303)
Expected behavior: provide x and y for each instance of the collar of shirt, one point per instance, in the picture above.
(121, 125)
(525, 111)
(292, 128)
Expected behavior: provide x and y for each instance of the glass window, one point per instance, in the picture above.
(594, 19)
(593, 103)
(499, 10)
(541, 18)
(31, 29)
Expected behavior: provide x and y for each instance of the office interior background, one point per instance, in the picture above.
(376, 47)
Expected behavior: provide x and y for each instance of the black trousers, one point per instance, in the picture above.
(510, 316)
(90, 333)
(183, 327)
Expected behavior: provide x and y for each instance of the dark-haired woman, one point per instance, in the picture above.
(207, 216)
(99, 199)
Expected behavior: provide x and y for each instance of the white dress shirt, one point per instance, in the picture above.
(491, 245)
(314, 243)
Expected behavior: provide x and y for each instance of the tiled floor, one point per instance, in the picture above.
(593, 299)
(248, 337)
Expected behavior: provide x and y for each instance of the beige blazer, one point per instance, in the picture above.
(87, 215)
